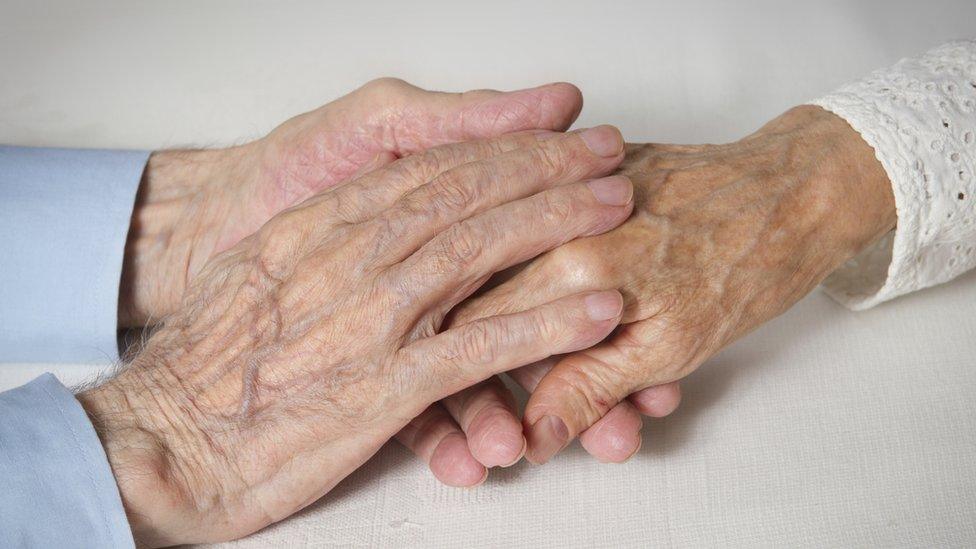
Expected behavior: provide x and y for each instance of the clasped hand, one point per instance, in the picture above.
(302, 349)
(316, 289)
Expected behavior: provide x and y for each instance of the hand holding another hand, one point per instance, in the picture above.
(300, 350)
(723, 239)
(194, 204)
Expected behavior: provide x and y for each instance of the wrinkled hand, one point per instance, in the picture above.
(300, 350)
(723, 238)
(194, 204)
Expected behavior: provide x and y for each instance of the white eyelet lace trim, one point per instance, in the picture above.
(920, 117)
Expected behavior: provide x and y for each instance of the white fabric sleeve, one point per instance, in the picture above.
(920, 117)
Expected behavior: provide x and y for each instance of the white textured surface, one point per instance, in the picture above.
(824, 428)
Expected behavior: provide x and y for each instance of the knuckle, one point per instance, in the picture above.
(592, 389)
(678, 347)
(279, 240)
(453, 192)
(422, 167)
(478, 345)
(544, 326)
(345, 207)
(550, 161)
(458, 247)
(556, 209)
(580, 264)
(386, 86)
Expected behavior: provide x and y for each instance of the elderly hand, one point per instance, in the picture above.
(299, 351)
(193, 205)
(723, 238)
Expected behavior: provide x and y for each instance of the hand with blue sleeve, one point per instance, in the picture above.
(68, 214)
(194, 204)
(299, 351)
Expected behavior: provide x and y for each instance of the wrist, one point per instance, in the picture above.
(149, 441)
(850, 199)
(177, 202)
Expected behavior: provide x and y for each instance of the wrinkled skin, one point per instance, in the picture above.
(723, 238)
(299, 351)
(194, 204)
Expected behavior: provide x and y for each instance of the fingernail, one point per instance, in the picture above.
(615, 190)
(603, 140)
(546, 437)
(603, 305)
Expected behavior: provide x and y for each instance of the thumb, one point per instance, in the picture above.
(573, 396)
(421, 119)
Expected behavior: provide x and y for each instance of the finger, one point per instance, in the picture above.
(416, 119)
(435, 438)
(446, 269)
(657, 401)
(616, 436)
(392, 117)
(613, 438)
(466, 190)
(555, 273)
(579, 390)
(460, 357)
(362, 198)
(529, 376)
(487, 414)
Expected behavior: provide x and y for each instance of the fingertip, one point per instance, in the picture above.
(622, 449)
(615, 437)
(552, 106)
(518, 456)
(571, 98)
(658, 401)
(501, 453)
(495, 438)
(452, 463)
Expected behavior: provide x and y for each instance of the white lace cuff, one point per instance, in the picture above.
(920, 117)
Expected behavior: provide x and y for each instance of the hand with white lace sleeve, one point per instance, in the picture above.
(919, 116)
(873, 191)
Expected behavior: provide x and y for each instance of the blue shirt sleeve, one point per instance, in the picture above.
(64, 218)
(57, 486)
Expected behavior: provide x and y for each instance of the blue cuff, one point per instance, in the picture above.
(64, 218)
(58, 489)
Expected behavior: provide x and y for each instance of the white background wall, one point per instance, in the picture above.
(153, 74)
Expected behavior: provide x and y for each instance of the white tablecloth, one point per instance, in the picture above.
(824, 428)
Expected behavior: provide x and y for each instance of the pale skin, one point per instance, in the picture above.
(299, 351)
(195, 204)
(723, 238)
(282, 325)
